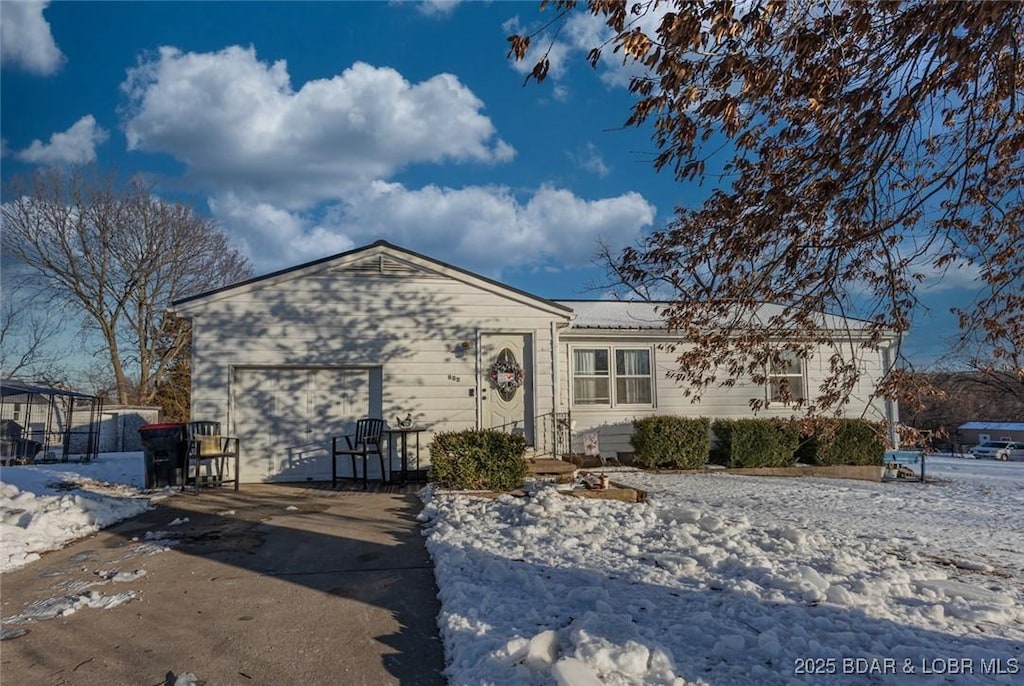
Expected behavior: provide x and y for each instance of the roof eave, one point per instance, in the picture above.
(191, 304)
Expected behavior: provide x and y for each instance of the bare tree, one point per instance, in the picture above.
(174, 388)
(868, 147)
(30, 324)
(957, 396)
(121, 255)
(1001, 376)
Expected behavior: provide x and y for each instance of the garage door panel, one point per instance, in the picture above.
(285, 417)
(265, 426)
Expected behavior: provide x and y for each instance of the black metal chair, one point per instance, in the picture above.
(366, 440)
(206, 446)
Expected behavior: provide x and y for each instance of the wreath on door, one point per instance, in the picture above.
(506, 375)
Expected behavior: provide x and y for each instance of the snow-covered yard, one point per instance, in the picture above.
(717, 579)
(727, 579)
(44, 507)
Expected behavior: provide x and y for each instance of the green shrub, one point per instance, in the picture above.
(842, 442)
(671, 442)
(478, 460)
(754, 442)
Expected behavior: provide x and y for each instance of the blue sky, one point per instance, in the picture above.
(306, 129)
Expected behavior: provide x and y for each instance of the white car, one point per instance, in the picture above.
(999, 450)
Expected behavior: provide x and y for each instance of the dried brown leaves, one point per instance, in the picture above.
(873, 143)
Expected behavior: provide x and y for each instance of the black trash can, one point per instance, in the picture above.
(165, 447)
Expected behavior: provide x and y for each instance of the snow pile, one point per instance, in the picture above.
(726, 579)
(43, 507)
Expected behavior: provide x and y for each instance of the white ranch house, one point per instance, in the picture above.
(286, 360)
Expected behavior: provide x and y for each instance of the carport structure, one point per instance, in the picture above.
(54, 418)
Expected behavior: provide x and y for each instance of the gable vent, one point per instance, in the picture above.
(382, 265)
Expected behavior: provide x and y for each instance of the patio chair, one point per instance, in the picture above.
(366, 440)
(207, 447)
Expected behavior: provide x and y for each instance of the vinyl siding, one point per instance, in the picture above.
(410, 321)
(614, 424)
(409, 325)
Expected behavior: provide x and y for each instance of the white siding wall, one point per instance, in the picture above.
(409, 325)
(614, 425)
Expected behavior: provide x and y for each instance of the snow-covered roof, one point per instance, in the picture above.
(620, 314)
(992, 426)
(614, 314)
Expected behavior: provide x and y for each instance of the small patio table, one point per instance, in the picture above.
(402, 447)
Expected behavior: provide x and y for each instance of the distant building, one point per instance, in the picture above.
(119, 430)
(973, 433)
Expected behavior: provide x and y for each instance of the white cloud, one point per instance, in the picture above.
(25, 38)
(963, 273)
(238, 123)
(274, 237)
(589, 159)
(74, 146)
(480, 227)
(435, 8)
(581, 33)
(557, 54)
(296, 174)
(955, 275)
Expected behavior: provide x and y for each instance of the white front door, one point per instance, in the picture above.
(506, 384)
(285, 416)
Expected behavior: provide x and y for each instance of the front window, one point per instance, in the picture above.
(633, 377)
(590, 373)
(786, 379)
(595, 378)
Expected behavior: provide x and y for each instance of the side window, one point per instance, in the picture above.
(786, 379)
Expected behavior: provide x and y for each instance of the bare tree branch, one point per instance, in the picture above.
(121, 255)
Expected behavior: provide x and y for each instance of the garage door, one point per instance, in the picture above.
(285, 416)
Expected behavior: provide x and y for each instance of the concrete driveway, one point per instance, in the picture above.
(275, 585)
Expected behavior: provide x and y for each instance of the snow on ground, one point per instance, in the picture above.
(44, 507)
(722, 579)
(718, 579)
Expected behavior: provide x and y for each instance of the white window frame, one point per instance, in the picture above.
(771, 376)
(612, 375)
(609, 375)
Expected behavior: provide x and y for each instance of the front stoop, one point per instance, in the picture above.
(563, 472)
(547, 469)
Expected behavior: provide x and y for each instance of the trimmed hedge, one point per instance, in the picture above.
(842, 441)
(478, 460)
(754, 442)
(671, 442)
